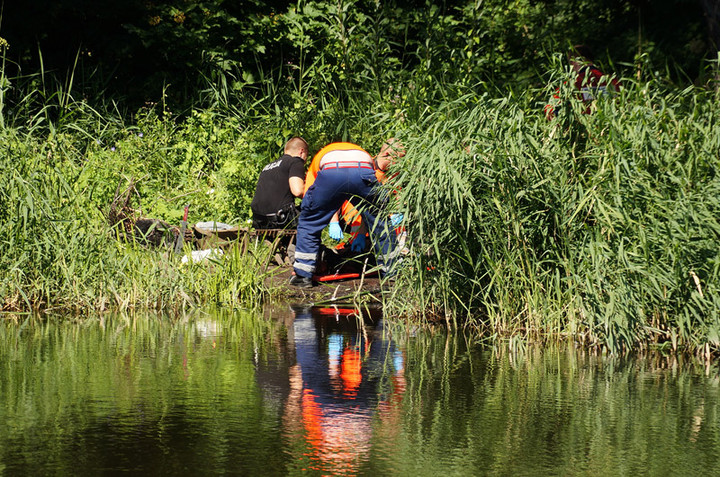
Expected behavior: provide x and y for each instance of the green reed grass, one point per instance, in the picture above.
(62, 166)
(601, 226)
(60, 254)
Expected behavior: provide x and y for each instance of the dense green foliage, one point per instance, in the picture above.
(138, 51)
(601, 226)
(59, 251)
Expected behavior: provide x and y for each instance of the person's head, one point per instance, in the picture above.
(390, 151)
(297, 147)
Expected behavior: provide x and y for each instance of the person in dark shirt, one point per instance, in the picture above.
(273, 205)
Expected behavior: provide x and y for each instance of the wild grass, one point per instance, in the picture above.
(62, 163)
(60, 254)
(602, 227)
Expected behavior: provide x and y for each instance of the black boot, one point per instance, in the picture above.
(301, 282)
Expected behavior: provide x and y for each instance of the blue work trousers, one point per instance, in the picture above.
(331, 188)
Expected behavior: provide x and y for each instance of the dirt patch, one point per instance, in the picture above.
(337, 291)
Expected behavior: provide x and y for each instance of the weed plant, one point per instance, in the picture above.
(602, 225)
(60, 253)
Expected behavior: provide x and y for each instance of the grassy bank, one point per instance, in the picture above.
(63, 162)
(60, 253)
(601, 227)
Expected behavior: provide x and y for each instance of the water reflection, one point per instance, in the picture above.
(331, 391)
(345, 379)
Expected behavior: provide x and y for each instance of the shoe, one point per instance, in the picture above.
(301, 282)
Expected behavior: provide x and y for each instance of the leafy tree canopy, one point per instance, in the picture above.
(135, 48)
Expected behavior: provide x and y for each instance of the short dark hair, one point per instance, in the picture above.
(296, 144)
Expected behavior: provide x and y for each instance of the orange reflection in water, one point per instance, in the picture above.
(336, 440)
(350, 372)
(337, 421)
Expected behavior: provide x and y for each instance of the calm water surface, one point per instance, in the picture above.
(320, 391)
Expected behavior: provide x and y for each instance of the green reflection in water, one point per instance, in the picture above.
(222, 393)
(135, 393)
(470, 410)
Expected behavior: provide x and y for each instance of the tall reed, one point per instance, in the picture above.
(60, 254)
(600, 226)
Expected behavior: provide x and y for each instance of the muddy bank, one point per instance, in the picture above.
(338, 291)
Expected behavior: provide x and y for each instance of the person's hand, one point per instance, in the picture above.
(358, 243)
(335, 231)
(396, 219)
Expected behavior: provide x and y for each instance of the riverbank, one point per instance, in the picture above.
(353, 290)
(600, 229)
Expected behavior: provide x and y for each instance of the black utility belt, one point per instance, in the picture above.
(281, 213)
(285, 212)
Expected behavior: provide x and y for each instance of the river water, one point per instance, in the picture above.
(322, 391)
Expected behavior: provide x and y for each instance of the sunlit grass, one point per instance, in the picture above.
(601, 226)
(60, 254)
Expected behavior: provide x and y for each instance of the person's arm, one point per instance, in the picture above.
(296, 177)
(297, 186)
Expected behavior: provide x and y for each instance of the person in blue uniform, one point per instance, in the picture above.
(344, 170)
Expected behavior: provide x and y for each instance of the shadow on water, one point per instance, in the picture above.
(327, 391)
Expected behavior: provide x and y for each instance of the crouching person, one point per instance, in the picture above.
(344, 171)
(273, 205)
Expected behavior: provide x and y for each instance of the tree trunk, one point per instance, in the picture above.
(711, 8)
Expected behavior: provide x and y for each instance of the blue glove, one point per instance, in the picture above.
(358, 243)
(335, 231)
(396, 219)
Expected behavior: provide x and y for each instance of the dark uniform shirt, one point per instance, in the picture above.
(273, 193)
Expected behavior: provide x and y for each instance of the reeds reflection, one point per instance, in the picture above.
(327, 392)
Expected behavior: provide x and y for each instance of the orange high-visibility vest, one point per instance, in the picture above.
(349, 212)
(315, 164)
